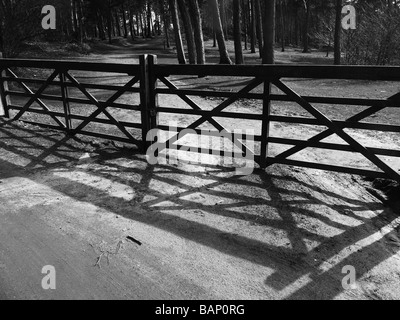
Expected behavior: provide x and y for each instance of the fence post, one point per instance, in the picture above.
(67, 109)
(4, 98)
(153, 96)
(144, 99)
(148, 97)
(265, 124)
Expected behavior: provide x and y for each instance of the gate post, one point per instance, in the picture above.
(144, 99)
(153, 98)
(148, 98)
(4, 98)
(265, 124)
(153, 95)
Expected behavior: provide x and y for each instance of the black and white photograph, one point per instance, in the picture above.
(199, 157)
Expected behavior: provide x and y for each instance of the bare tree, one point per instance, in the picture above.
(252, 27)
(338, 30)
(258, 22)
(237, 30)
(124, 21)
(306, 26)
(177, 29)
(195, 17)
(269, 32)
(187, 24)
(223, 52)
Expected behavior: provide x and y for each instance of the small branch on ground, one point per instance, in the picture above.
(106, 253)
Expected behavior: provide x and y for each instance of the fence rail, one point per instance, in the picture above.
(147, 75)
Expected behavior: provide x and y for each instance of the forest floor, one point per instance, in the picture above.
(115, 227)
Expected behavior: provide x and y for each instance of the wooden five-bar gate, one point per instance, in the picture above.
(144, 79)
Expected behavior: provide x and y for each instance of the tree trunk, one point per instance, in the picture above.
(142, 26)
(117, 23)
(259, 26)
(131, 25)
(166, 25)
(222, 11)
(177, 29)
(237, 30)
(81, 19)
(109, 26)
(244, 20)
(2, 41)
(223, 52)
(198, 31)
(252, 28)
(148, 20)
(138, 24)
(75, 20)
(152, 25)
(338, 30)
(214, 39)
(269, 32)
(124, 22)
(102, 34)
(187, 24)
(73, 14)
(282, 26)
(159, 25)
(114, 31)
(306, 26)
(68, 25)
(248, 20)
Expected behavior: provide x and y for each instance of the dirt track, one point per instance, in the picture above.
(204, 232)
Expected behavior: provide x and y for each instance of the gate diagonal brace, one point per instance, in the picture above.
(337, 130)
(212, 121)
(101, 107)
(35, 97)
(38, 100)
(327, 133)
(208, 117)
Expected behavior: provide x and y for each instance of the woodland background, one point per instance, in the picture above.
(262, 26)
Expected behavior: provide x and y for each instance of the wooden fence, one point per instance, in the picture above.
(149, 75)
(60, 77)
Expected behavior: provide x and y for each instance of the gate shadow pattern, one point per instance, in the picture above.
(289, 264)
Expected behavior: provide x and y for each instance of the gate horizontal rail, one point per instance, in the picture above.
(130, 69)
(284, 71)
(148, 74)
